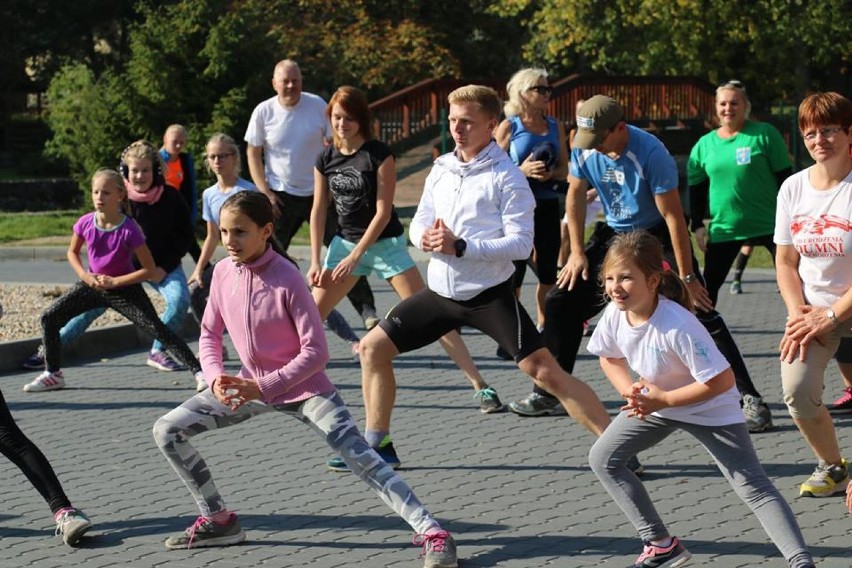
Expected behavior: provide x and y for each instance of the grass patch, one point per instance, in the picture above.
(24, 226)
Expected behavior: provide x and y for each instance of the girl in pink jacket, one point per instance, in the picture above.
(262, 299)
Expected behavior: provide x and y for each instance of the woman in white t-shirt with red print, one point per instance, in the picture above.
(813, 231)
(684, 384)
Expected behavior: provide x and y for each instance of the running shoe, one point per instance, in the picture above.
(757, 415)
(161, 360)
(200, 383)
(537, 405)
(637, 468)
(386, 452)
(826, 480)
(488, 401)
(669, 556)
(503, 354)
(46, 381)
(72, 524)
(370, 318)
(736, 287)
(35, 361)
(842, 405)
(204, 532)
(439, 550)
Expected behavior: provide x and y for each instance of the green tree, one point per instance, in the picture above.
(207, 63)
(91, 119)
(780, 48)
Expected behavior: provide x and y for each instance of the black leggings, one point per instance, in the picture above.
(565, 311)
(720, 256)
(26, 455)
(546, 241)
(130, 301)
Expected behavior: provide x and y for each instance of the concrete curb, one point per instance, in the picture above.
(98, 343)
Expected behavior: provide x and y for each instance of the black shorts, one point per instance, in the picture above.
(424, 317)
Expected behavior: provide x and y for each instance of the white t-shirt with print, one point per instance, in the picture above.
(671, 350)
(292, 139)
(818, 223)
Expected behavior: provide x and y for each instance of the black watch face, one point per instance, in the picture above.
(460, 247)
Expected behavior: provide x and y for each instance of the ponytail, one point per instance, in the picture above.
(673, 288)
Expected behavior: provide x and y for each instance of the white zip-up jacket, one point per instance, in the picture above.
(488, 203)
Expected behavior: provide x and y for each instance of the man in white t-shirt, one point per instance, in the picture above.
(285, 135)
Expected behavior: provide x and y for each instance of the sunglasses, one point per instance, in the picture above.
(733, 83)
(542, 89)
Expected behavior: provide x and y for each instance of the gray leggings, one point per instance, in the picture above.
(731, 448)
(325, 413)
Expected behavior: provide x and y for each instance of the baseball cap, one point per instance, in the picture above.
(595, 119)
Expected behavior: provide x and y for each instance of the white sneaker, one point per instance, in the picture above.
(200, 383)
(72, 524)
(46, 381)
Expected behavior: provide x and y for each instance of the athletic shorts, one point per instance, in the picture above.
(425, 316)
(387, 257)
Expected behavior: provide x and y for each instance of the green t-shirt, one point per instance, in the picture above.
(743, 188)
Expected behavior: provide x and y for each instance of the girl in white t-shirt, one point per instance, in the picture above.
(684, 384)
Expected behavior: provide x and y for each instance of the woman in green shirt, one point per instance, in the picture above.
(736, 170)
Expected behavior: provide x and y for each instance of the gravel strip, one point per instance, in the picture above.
(24, 303)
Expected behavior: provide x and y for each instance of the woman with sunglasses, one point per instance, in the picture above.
(537, 145)
(736, 169)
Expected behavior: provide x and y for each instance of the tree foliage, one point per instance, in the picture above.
(780, 48)
(206, 63)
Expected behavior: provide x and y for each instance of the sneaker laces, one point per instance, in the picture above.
(487, 393)
(62, 518)
(199, 522)
(436, 541)
(650, 550)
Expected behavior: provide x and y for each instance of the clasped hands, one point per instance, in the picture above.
(438, 238)
(234, 392)
(802, 328)
(643, 398)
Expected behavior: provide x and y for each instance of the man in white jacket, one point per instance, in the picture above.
(475, 217)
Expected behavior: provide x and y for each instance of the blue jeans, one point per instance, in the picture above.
(175, 292)
(78, 325)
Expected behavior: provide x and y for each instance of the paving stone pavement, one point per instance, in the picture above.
(516, 492)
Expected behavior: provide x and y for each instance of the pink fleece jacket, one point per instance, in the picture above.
(274, 324)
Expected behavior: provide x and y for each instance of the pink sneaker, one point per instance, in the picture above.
(670, 556)
(842, 405)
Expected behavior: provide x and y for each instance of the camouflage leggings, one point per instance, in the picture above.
(325, 413)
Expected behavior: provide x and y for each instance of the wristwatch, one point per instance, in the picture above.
(460, 246)
(689, 278)
(829, 313)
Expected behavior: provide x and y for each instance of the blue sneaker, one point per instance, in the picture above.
(386, 452)
(35, 362)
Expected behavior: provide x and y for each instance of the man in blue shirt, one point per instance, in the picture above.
(637, 182)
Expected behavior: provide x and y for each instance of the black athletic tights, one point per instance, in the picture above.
(26, 455)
